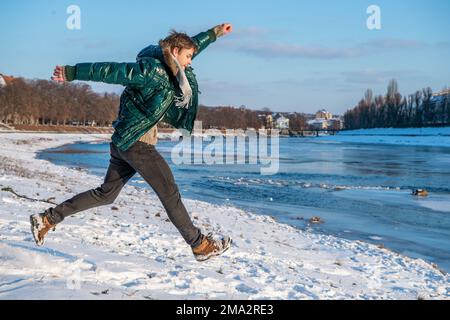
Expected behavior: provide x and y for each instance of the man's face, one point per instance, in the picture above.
(184, 56)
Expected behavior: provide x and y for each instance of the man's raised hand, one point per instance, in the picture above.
(59, 74)
(223, 29)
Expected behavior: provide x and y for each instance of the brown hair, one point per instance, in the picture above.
(178, 40)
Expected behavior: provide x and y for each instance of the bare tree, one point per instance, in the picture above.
(393, 110)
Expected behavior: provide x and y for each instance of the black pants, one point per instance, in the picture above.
(146, 160)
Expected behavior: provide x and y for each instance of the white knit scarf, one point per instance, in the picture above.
(184, 100)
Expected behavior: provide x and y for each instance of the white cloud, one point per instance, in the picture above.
(269, 49)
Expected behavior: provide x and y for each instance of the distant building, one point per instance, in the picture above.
(323, 114)
(335, 124)
(318, 124)
(324, 121)
(281, 122)
(2, 82)
(269, 122)
(5, 80)
(442, 93)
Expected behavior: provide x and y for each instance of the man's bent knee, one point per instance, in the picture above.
(105, 197)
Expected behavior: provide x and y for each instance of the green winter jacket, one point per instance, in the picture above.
(151, 87)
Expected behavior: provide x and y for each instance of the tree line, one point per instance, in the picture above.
(228, 118)
(420, 109)
(43, 102)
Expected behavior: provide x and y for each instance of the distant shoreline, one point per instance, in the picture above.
(54, 129)
(164, 132)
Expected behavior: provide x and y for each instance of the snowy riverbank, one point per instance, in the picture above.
(427, 137)
(129, 250)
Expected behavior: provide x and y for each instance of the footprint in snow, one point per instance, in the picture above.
(246, 289)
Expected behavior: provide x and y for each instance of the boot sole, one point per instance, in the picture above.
(34, 231)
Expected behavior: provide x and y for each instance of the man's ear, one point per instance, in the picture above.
(175, 51)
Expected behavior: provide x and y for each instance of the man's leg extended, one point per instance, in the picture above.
(118, 174)
(156, 172)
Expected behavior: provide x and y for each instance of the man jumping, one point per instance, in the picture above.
(159, 86)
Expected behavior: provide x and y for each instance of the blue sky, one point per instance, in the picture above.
(284, 55)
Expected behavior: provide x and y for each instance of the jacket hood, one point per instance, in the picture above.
(162, 53)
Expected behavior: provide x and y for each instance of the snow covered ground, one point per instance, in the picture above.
(429, 137)
(129, 250)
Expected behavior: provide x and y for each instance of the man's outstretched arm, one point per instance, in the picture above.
(126, 74)
(204, 39)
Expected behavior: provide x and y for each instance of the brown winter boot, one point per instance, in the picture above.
(209, 247)
(40, 226)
